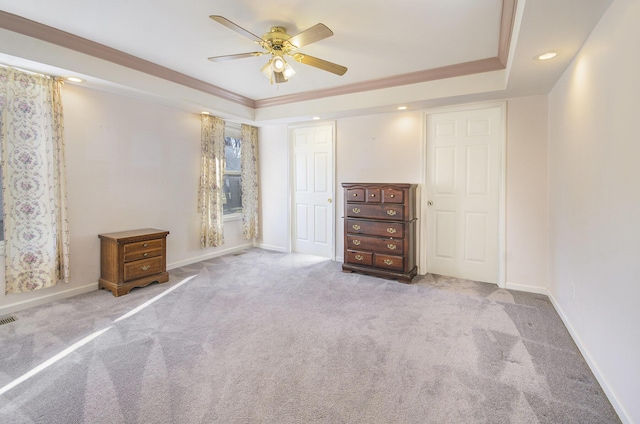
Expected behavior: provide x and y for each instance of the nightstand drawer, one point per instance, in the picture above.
(143, 250)
(138, 269)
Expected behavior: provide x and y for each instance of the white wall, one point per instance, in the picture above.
(130, 164)
(594, 181)
(389, 148)
(527, 242)
(274, 188)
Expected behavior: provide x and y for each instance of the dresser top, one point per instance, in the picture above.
(142, 233)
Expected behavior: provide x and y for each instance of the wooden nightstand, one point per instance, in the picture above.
(131, 259)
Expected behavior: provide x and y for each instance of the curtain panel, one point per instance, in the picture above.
(211, 176)
(249, 169)
(36, 228)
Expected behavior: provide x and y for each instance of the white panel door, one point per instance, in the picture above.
(312, 153)
(464, 153)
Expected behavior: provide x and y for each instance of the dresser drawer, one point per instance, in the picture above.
(142, 268)
(395, 263)
(374, 195)
(356, 195)
(381, 211)
(391, 195)
(142, 250)
(376, 244)
(360, 258)
(376, 228)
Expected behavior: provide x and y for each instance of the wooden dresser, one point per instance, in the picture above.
(131, 259)
(380, 230)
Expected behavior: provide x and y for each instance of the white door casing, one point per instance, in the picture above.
(463, 204)
(312, 230)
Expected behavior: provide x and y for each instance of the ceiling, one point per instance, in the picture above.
(418, 53)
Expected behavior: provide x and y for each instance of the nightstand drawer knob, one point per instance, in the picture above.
(355, 227)
(145, 254)
(145, 268)
(388, 262)
(356, 210)
(391, 230)
(391, 212)
(359, 257)
(391, 246)
(356, 242)
(145, 245)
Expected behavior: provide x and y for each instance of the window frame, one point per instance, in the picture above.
(232, 129)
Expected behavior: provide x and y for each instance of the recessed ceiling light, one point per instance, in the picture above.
(546, 56)
(204, 112)
(402, 108)
(74, 79)
(316, 118)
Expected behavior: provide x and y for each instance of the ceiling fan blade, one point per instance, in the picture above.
(320, 64)
(315, 33)
(226, 22)
(234, 56)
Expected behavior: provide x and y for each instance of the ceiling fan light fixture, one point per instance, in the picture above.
(278, 64)
(278, 70)
(288, 71)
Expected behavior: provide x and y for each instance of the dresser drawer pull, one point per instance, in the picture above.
(356, 242)
(355, 194)
(145, 245)
(355, 227)
(359, 257)
(392, 196)
(388, 262)
(145, 254)
(373, 195)
(146, 267)
(391, 212)
(392, 246)
(391, 230)
(356, 210)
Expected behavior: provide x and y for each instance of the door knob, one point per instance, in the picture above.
(329, 200)
(430, 203)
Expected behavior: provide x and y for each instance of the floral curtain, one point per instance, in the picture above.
(249, 167)
(211, 175)
(36, 229)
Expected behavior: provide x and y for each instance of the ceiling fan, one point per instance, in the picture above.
(278, 44)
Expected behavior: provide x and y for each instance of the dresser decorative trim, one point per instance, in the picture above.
(379, 230)
(131, 259)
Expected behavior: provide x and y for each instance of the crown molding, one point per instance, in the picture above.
(65, 39)
(450, 71)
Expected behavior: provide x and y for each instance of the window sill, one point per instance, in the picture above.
(232, 217)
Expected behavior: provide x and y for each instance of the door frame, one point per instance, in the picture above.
(423, 266)
(291, 212)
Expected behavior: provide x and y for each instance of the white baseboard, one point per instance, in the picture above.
(527, 288)
(274, 248)
(41, 300)
(211, 255)
(620, 410)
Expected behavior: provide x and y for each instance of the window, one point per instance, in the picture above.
(232, 190)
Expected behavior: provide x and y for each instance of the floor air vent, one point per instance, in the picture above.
(7, 320)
